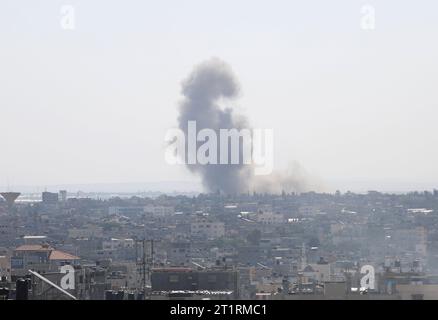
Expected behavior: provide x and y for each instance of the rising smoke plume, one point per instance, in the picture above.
(294, 179)
(211, 85)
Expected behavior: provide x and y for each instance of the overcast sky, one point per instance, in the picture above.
(91, 105)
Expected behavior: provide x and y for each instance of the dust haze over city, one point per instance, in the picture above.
(277, 151)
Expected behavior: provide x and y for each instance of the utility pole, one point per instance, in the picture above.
(141, 261)
(145, 264)
(151, 264)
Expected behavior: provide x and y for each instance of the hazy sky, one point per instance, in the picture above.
(91, 105)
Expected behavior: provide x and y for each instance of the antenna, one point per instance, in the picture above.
(145, 260)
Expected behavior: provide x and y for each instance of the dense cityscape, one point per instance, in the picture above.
(213, 246)
(218, 159)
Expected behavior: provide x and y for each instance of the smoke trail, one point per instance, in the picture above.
(208, 86)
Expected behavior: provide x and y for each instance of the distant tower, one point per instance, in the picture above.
(10, 197)
(303, 257)
(63, 195)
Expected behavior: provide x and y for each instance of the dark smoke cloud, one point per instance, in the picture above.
(210, 85)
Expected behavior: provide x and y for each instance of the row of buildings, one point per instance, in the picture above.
(251, 246)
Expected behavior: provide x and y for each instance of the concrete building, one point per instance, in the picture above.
(50, 198)
(207, 229)
(159, 211)
(40, 258)
(89, 231)
(270, 218)
(417, 291)
(5, 267)
(186, 279)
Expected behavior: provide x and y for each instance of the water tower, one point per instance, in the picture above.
(10, 197)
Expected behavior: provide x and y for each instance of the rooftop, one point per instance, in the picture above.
(60, 255)
(54, 254)
(34, 247)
